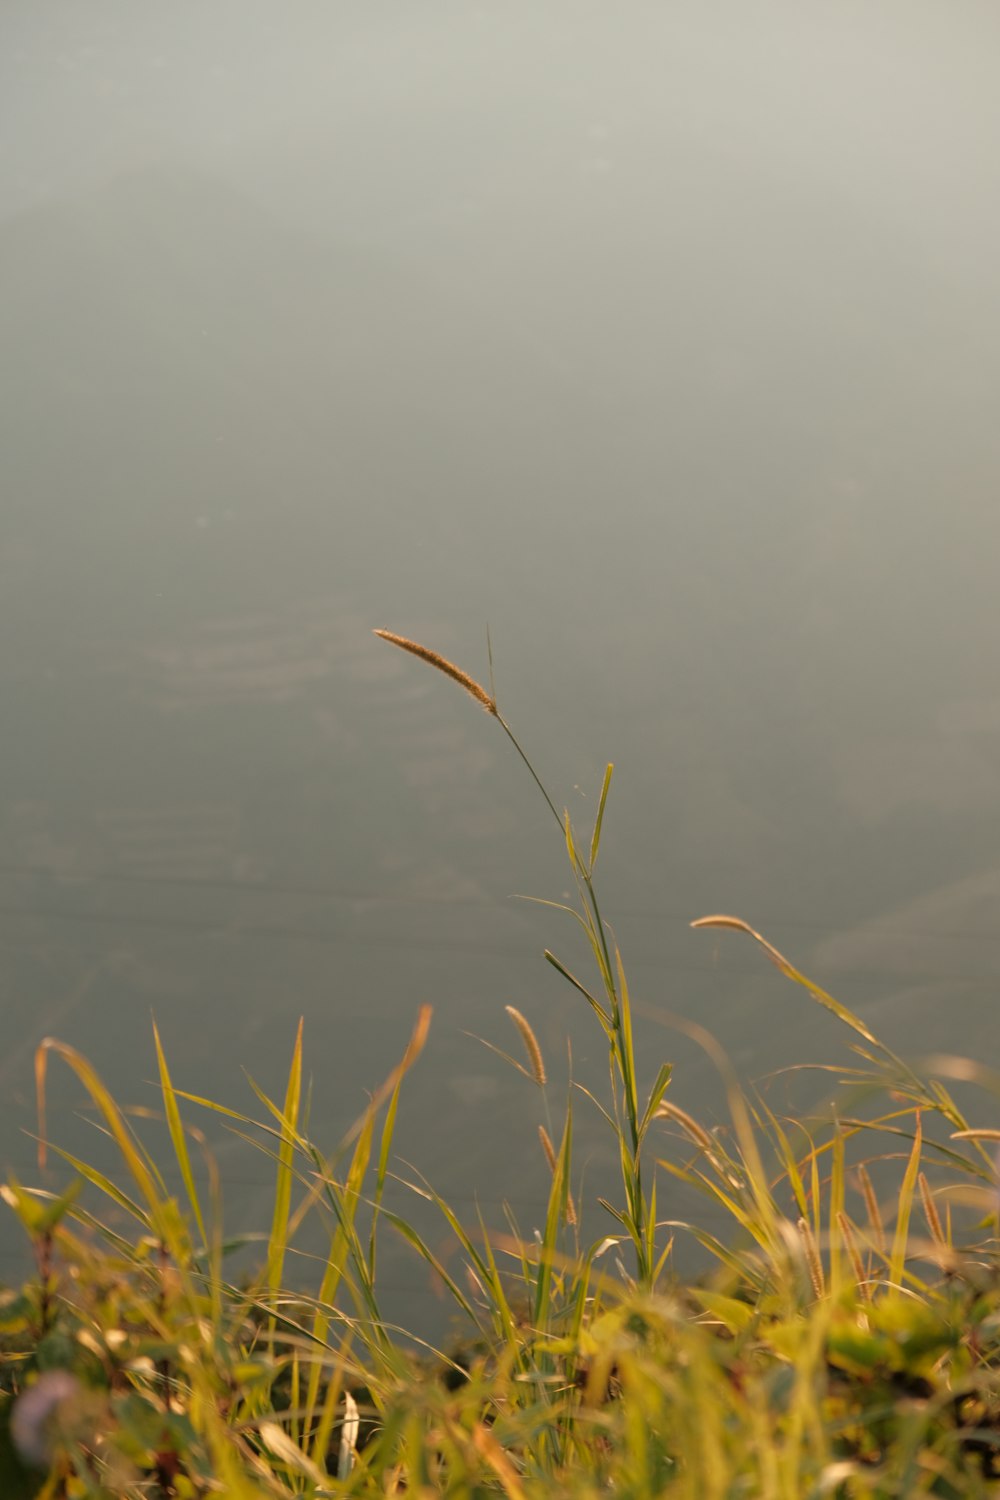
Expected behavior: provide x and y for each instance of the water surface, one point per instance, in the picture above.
(662, 338)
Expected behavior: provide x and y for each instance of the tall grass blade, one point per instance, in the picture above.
(836, 1211)
(426, 1253)
(144, 1173)
(278, 1241)
(555, 1217)
(787, 1157)
(177, 1137)
(627, 1052)
(385, 1145)
(897, 1259)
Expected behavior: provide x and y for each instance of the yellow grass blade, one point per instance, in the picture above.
(143, 1173)
(897, 1259)
(277, 1244)
(778, 959)
(595, 842)
(177, 1137)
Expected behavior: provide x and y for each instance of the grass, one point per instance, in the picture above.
(844, 1342)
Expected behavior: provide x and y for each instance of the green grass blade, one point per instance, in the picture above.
(555, 1217)
(570, 845)
(601, 1013)
(503, 1314)
(177, 1136)
(655, 1095)
(105, 1185)
(627, 1050)
(424, 1251)
(780, 962)
(595, 842)
(385, 1145)
(787, 1157)
(277, 1244)
(283, 1131)
(605, 1114)
(143, 1172)
(837, 1197)
(897, 1259)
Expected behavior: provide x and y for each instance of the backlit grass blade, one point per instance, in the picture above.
(655, 1095)
(342, 1242)
(650, 1225)
(733, 1260)
(900, 1240)
(787, 1156)
(780, 962)
(616, 1213)
(326, 1413)
(746, 1219)
(105, 1185)
(598, 1008)
(176, 1128)
(627, 1050)
(283, 1132)
(282, 1446)
(144, 1174)
(606, 1117)
(570, 846)
(365, 1121)
(815, 1196)
(835, 1211)
(734, 1315)
(388, 1130)
(423, 1189)
(595, 842)
(502, 1313)
(426, 1253)
(277, 1243)
(555, 1217)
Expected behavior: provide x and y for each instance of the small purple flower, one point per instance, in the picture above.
(31, 1425)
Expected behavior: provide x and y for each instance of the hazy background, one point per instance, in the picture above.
(663, 337)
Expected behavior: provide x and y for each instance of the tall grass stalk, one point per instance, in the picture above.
(614, 1011)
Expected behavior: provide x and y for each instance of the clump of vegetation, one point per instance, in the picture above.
(845, 1343)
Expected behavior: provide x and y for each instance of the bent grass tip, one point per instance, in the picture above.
(791, 972)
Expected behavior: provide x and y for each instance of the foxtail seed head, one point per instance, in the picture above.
(812, 1257)
(531, 1047)
(435, 659)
